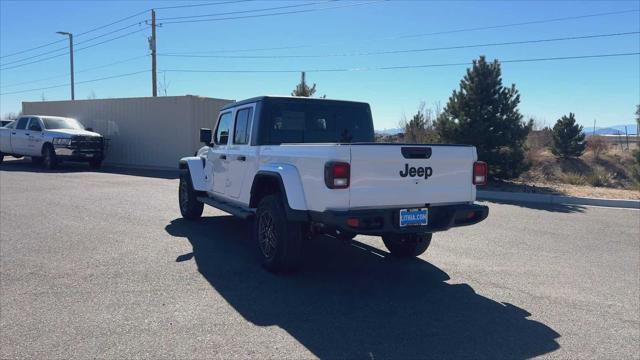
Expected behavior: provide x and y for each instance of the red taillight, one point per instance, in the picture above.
(479, 173)
(337, 174)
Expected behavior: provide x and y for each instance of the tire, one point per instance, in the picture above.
(279, 240)
(49, 160)
(407, 245)
(190, 207)
(1, 157)
(95, 163)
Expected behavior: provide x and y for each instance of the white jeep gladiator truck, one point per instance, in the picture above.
(51, 139)
(302, 166)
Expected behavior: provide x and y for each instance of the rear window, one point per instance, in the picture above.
(314, 121)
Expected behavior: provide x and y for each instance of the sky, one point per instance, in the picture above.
(342, 36)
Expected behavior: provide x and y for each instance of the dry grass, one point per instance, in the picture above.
(612, 174)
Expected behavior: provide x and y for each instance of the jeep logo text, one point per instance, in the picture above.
(419, 171)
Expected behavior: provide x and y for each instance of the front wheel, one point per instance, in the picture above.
(190, 207)
(1, 157)
(49, 160)
(279, 240)
(407, 245)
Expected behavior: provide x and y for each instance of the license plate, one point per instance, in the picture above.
(414, 217)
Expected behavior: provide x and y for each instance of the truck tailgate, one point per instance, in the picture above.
(396, 175)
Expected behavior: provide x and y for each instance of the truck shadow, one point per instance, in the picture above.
(26, 165)
(352, 301)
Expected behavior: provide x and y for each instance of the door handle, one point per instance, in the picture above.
(27, 134)
(223, 157)
(241, 158)
(13, 133)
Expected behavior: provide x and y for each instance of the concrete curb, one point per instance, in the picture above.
(556, 199)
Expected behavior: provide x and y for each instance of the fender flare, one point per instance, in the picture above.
(195, 165)
(290, 184)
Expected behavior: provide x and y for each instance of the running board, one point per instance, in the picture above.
(227, 207)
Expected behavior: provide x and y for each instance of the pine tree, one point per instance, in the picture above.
(484, 113)
(568, 138)
(302, 89)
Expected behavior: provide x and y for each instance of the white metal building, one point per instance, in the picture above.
(149, 132)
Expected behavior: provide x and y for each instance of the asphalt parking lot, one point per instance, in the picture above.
(100, 265)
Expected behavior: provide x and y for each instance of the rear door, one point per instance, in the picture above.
(240, 154)
(390, 175)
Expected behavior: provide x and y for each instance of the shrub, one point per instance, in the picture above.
(599, 177)
(568, 138)
(597, 145)
(575, 179)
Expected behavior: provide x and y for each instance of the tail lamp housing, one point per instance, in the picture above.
(480, 173)
(337, 175)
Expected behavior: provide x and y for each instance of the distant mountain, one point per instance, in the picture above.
(632, 129)
(390, 131)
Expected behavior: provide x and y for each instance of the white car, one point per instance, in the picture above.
(51, 139)
(301, 166)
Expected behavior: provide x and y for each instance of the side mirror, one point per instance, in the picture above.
(34, 128)
(89, 129)
(205, 136)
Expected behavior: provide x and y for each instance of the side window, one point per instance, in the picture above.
(22, 123)
(34, 125)
(222, 131)
(243, 126)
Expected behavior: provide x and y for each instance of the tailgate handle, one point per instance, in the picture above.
(416, 152)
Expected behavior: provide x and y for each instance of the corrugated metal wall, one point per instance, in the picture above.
(143, 132)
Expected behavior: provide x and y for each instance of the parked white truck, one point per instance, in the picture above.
(51, 139)
(301, 166)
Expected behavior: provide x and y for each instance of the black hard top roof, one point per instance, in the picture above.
(294, 98)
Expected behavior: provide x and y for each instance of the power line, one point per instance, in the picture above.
(401, 66)
(80, 34)
(66, 49)
(119, 21)
(186, 55)
(75, 51)
(245, 11)
(204, 4)
(77, 82)
(77, 72)
(272, 14)
(530, 22)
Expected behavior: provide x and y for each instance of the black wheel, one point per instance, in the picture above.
(407, 245)
(279, 240)
(49, 160)
(95, 163)
(190, 207)
(1, 157)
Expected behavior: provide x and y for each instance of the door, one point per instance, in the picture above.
(217, 163)
(241, 156)
(34, 137)
(19, 137)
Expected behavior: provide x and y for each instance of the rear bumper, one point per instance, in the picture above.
(386, 221)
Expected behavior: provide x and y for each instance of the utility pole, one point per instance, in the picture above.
(152, 45)
(70, 35)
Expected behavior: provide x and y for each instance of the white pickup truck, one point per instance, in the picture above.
(302, 166)
(51, 139)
